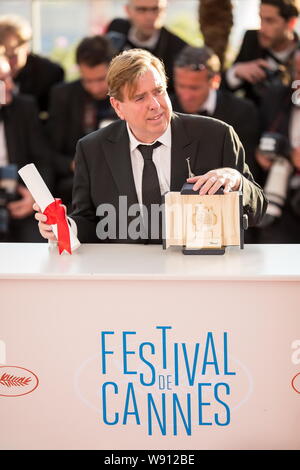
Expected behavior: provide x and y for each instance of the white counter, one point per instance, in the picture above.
(239, 311)
(139, 262)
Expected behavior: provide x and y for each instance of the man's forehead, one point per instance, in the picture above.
(147, 3)
(269, 11)
(147, 82)
(194, 76)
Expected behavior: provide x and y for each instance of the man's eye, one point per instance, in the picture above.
(139, 98)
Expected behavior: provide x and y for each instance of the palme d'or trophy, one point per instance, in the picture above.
(205, 224)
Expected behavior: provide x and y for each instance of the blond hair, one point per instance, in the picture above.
(15, 26)
(126, 68)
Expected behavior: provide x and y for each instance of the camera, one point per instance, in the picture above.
(8, 189)
(274, 78)
(275, 147)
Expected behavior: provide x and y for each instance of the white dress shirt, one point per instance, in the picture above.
(211, 102)
(161, 158)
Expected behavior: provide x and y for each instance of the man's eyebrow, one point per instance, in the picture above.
(140, 95)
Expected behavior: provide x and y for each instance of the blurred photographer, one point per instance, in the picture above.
(278, 156)
(32, 74)
(21, 142)
(265, 56)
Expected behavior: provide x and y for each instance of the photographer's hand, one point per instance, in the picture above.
(252, 71)
(23, 207)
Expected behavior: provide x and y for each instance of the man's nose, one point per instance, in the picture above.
(154, 103)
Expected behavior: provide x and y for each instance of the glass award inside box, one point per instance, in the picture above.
(203, 224)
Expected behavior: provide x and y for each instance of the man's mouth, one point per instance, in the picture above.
(156, 118)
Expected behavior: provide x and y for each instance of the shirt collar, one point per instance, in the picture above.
(210, 104)
(164, 139)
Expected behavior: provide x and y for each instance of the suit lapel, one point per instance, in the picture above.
(182, 148)
(117, 154)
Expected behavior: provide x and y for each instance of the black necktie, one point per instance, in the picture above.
(150, 184)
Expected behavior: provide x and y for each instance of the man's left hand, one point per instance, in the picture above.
(23, 207)
(210, 182)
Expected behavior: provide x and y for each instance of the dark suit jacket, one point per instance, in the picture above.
(275, 110)
(65, 122)
(167, 47)
(242, 115)
(103, 170)
(37, 78)
(25, 139)
(252, 50)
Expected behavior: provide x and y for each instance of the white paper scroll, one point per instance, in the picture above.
(42, 196)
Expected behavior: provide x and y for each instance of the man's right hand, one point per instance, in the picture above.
(45, 229)
(252, 71)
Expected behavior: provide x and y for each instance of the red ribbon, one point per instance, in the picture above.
(56, 214)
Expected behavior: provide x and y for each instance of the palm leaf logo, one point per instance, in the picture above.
(14, 381)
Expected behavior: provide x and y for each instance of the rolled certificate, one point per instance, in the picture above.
(43, 197)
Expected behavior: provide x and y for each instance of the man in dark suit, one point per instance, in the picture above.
(34, 75)
(143, 29)
(197, 79)
(79, 107)
(265, 55)
(144, 155)
(21, 142)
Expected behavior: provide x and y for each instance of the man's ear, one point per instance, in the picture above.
(116, 104)
(292, 23)
(216, 81)
(127, 9)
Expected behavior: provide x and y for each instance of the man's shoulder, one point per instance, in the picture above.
(110, 132)
(235, 103)
(197, 126)
(250, 48)
(120, 25)
(44, 64)
(66, 89)
(173, 40)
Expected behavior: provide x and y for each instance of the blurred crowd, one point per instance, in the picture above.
(42, 117)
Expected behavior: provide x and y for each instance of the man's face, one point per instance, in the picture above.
(192, 88)
(16, 53)
(146, 15)
(274, 28)
(148, 112)
(6, 83)
(93, 80)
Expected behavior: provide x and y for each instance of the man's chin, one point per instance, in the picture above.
(265, 42)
